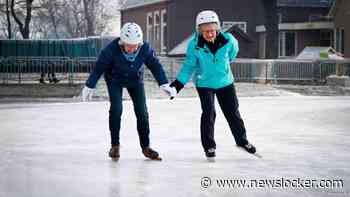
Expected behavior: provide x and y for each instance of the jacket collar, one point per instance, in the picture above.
(220, 40)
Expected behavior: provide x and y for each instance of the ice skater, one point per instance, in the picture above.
(122, 63)
(208, 58)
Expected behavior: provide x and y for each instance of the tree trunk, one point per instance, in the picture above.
(52, 13)
(9, 30)
(24, 29)
(271, 26)
(89, 17)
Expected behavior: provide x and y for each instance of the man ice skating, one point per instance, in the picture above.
(208, 58)
(122, 63)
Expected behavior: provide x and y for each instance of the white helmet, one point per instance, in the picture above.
(207, 16)
(131, 33)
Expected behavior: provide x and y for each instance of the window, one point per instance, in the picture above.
(150, 27)
(339, 44)
(157, 30)
(156, 26)
(164, 32)
(325, 38)
(336, 39)
(290, 44)
(279, 17)
(287, 44)
(315, 17)
(342, 43)
(228, 24)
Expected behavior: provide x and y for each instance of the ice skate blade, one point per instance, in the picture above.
(115, 158)
(256, 154)
(211, 159)
(154, 159)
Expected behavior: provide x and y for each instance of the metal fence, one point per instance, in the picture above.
(30, 69)
(76, 70)
(287, 70)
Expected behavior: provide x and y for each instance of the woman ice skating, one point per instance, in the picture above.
(122, 63)
(208, 58)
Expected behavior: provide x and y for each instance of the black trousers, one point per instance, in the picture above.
(228, 102)
(137, 94)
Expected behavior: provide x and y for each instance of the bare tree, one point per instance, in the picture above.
(23, 26)
(9, 30)
(73, 21)
(6, 29)
(57, 18)
(51, 9)
(89, 13)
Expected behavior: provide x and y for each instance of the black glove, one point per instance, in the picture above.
(178, 85)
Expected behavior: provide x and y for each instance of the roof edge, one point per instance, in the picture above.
(142, 4)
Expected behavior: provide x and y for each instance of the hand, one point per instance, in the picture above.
(86, 94)
(170, 91)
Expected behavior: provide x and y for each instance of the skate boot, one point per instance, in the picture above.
(248, 147)
(114, 152)
(151, 154)
(42, 81)
(55, 80)
(210, 154)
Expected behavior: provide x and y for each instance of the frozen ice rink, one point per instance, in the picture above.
(60, 149)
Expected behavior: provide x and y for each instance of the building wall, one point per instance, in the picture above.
(139, 16)
(182, 14)
(341, 20)
(300, 14)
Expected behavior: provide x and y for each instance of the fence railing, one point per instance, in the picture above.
(30, 69)
(287, 70)
(76, 70)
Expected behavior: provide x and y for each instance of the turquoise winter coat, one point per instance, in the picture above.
(209, 70)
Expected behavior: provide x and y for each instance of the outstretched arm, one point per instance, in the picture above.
(187, 68)
(152, 62)
(103, 62)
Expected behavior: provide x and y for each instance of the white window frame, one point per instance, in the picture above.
(232, 23)
(342, 43)
(338, 44)
(282, 35)
(280, 19)
(163, 24)
(156, 25)
(149, 27)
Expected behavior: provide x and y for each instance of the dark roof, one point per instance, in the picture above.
(304, 3)
(238, 31)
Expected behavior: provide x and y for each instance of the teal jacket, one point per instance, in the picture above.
(209, 70)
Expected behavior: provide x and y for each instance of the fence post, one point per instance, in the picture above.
(271, 65)
(71, 63)
(319, 66)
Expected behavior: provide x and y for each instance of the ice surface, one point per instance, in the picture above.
(60, 149)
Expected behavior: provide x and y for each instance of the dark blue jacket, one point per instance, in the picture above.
(117, 69)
